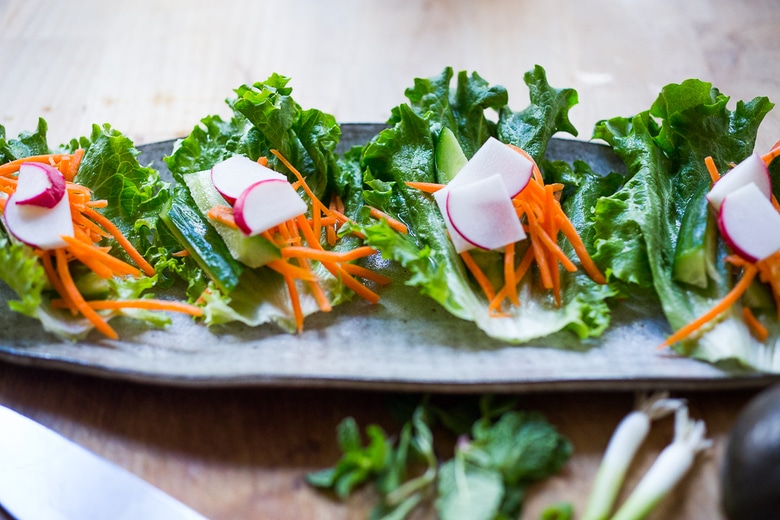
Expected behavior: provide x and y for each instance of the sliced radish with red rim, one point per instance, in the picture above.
(232, 176)
(749, 223)
(266, 204)
(39, 185)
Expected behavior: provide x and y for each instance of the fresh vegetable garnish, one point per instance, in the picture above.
(274, 198)
(469, 192)
(749, 222)
(666, 472)
(500, 451)
(58, 219)
(621, 450)
(657, 233)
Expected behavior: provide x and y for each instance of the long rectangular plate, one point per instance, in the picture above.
(406, 342)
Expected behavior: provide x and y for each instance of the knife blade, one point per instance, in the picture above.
(46, 476)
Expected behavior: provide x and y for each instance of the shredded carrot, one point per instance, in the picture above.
(739, 289)
(12, 167)
(54, 279)
(316, 289)
(262, 161)
(756, 327)
(223, 215)
(327, 256)
(140, 303)
(427, 187)
(122, 240)
(479, 276)
(510, 282)
(180, 254)
(291, 271)
(115, 264)
(772, 154)
(78, 300)
(712, 169)
(296, 302)
(368, 274)
(394, 223)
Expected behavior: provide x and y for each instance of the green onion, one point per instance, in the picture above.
(622, 447)
(668, 469)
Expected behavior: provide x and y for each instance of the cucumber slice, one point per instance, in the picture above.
(694, 255)
(204, 244)
(449, 156)
(252, 251)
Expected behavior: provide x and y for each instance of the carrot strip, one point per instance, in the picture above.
(756, 327)
(479, 276)
(733, 295)
(326, 256)
(141, 303)
(368, 274)
(12, 167)
(288, 270)
(54, 279)
(181, 254)
(568, 230)
(123, 241)
(394, 223)
(358, 288)
(510, 282)
(427, 187)
(262, 161)
(316, 289)
(114, 263)
(296, 302)
(712, 169)
(223, 215)
(772, 154)
(78, 300)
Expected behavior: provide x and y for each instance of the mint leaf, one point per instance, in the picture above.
(468, 491)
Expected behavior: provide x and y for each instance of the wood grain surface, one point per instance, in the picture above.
(152, 69)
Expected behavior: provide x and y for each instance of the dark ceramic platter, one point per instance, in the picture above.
(405, 342)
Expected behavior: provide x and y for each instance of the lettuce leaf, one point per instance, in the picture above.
(636, 228)
(405, 152)
(265, 118)
(111, 170)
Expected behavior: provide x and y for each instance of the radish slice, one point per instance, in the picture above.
(232, 176)
(494, 157)
(749, 223)
(39, 185)
(483, 214)
(37, 226)
(751, 170)
(266, 204)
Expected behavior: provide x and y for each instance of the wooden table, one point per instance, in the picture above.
(153, 69)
